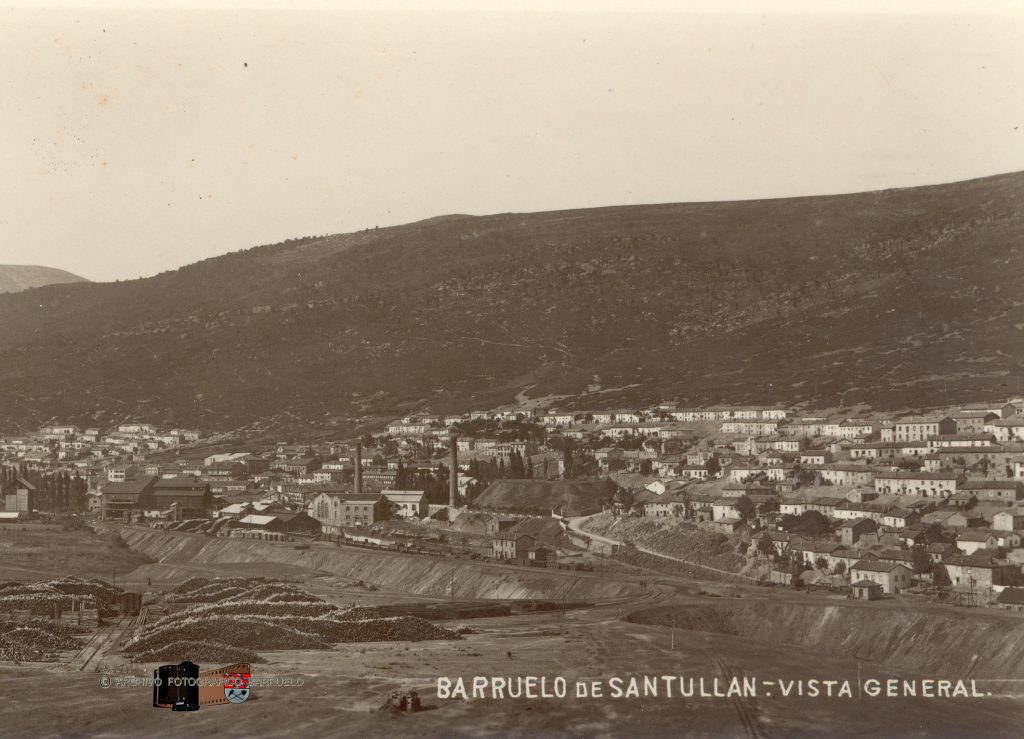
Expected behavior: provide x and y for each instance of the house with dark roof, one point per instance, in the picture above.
(919, 428)
(189, 497)
(866, 590)
(980, 571)
(298, 522)
(893, 577)
(1001, 491)
(512, 546)
(971, 540)
(121, 498)
(938, 551)
(851, 531)
(1011, 599)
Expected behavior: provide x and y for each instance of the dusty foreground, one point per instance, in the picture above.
(343, 688)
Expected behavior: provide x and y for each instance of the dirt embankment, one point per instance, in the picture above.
(571, 497)
(673, 538)
(418, 575)
(974, 644)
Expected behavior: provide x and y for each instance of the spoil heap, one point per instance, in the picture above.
(230, 617)
(39, 598)
(37, 640)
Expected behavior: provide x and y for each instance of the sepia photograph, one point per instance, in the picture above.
(551, 368)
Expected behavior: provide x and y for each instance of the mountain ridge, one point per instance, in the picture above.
(899, 298)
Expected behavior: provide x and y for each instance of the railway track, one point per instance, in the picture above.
(748, 718)
(92, 653)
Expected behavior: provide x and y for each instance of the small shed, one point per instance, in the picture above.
(866, 590)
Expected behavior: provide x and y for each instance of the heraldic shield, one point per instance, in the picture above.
(236, 687)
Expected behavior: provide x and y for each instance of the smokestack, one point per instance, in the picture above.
(358, 479)
(453, 472)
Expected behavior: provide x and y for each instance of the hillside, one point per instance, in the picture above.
(900, 298)
(17, 277)
(571, 497)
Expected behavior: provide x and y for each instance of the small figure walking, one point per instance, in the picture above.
(509, 654)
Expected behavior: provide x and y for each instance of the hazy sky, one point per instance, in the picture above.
(136, 141)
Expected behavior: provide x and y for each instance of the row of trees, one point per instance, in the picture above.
(55, 491)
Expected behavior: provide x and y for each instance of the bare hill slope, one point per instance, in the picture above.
(17, 277)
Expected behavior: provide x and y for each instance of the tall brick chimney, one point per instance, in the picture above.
(358, 478)
(453, 470)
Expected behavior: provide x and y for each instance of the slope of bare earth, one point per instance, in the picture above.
(671, 537)
(979, 644)
(180, 555)
(35, 551)
(572, 497)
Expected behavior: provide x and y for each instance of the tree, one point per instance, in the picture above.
(920, 561)
(746, 507)
(935, 534)
(713, 467)
(765, 546)
(810, 523)
(821, 563)
(840, 568)
(941, 577)
(623, 498)
(797, 568)
(646, 467)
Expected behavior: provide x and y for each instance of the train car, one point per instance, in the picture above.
(129, 603)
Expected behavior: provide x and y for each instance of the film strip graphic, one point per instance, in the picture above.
(234, 676)
(184, 687)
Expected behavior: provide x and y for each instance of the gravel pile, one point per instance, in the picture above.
(239, 614)
(251, 608)
(198, 651)
(36, 640)
(212, 593)
(232, 630)
(39, 597)
(398, 628)
(276, 592)
(193, 583)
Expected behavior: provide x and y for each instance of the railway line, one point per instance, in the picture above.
(749, 719)
(91, 655)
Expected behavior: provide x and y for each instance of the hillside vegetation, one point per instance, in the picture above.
(570, 497)
(900, 298)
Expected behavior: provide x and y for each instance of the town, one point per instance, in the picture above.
(875, 506)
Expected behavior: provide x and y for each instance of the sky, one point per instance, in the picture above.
(137, 140)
